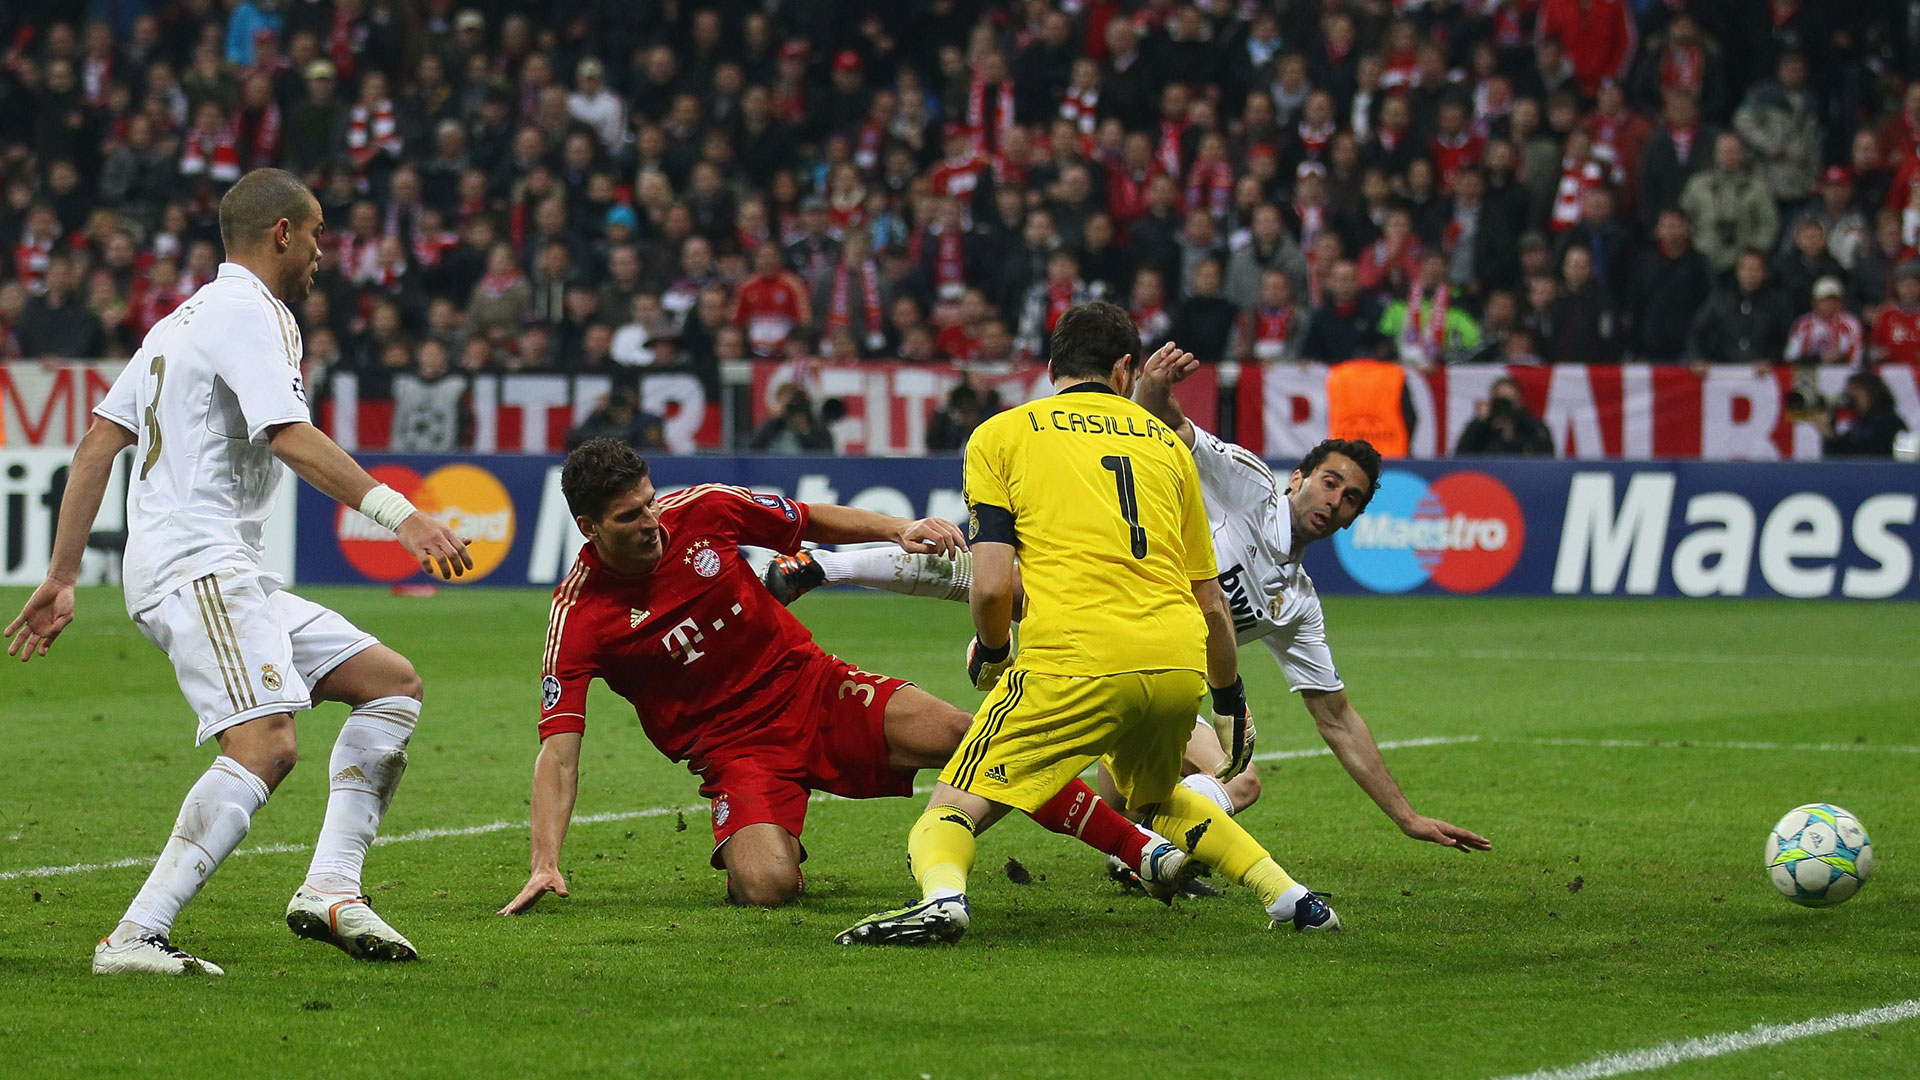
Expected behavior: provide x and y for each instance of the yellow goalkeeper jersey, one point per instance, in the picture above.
(1102, 503)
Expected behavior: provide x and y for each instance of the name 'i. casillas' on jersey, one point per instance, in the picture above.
(1103, 424)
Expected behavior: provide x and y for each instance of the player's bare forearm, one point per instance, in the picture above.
(1348, 736)
(556, 783)
(995, 583)
(1223, 650)
(86, 488)
(831, 524)
(316, 458)
(1154, 389)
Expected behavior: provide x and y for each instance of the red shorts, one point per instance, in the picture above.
(842, 750)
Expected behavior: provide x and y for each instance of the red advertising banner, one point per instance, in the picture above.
(889, 404)
(1630, 411)
(50, 404)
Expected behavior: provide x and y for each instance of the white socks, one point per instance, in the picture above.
(368, 760)
(1282, 907)
(1211, 789)
(894, 570)
(212, 822)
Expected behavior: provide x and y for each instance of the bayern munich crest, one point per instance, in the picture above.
(721, 811)
(704, 560)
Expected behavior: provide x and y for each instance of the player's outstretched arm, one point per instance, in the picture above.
(1351, 741)
(556, 782)
(830, 524)
(318, 460)
(1153, 391)
(1232, 720)
(50, 608)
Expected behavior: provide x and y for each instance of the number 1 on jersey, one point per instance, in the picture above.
(159, 370)
(1122, 468)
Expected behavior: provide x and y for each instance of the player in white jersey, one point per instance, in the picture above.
(213, 404)
(1260, 531)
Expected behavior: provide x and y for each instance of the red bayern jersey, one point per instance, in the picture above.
(704, 652)
(1896, 336)
(769, 308)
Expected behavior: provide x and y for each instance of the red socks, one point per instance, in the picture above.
(1078, 812)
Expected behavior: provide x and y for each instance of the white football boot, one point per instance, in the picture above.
(151, 954)
(347, 923)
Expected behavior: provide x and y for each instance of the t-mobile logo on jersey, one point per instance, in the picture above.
(681, 641)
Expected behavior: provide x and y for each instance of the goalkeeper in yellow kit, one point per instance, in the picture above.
(1101, 503)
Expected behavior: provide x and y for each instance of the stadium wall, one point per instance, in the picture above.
(1512, 527)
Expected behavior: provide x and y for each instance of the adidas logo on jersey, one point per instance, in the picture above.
(997, 774)
(635, 617)
(350, 775)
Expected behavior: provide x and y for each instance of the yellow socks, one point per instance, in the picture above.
(1203, 830)
(940, 851)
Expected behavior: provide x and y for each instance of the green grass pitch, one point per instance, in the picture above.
(1623, 906)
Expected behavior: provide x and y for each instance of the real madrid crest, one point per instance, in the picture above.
(704, 560)
(269, 677)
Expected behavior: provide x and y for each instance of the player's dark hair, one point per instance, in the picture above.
(1358, 451)
(597, 472)
(256, 202)
(1090, 338)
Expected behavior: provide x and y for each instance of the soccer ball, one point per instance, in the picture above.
(1819, 855)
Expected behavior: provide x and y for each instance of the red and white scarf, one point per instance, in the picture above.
(949, 266)
(1683, 68)
(1682, 143)
(1152, 321)
(1314, 140)
(1059, 299)
(345, 39)
(1211, 187)
(30, 259)
(263, 139)
(977, 115)
(1313, 218)
(1271, 328)
(371, 131)
(866, 151)
(840, 310)
(1426, 332)
(213, 156)
(1574, 181)
(1168, 153)
(429, 248)
(493, 286)
(1079, 106)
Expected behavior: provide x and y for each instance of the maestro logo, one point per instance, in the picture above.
(1463, 532)
(468, 498)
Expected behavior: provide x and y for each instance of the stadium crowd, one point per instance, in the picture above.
(587, 187)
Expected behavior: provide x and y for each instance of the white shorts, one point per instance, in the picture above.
(1305, 657)
(243, 648)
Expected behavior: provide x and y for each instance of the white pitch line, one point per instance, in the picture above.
(1708, 1046)
(1698, 744)
(1598, 657)
(1391, 744)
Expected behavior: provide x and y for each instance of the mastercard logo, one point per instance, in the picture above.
(1463, 532)
(469, 499)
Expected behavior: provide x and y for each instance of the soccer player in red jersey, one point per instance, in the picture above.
(664, 608)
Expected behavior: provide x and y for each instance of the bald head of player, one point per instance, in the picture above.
(1094, 342)
(271, 224)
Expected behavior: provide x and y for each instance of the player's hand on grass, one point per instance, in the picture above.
(1233, 723)
(430, 542)
(932, 536)
(47, 612)
(1435, 831)
(985, 666)
(538, 885)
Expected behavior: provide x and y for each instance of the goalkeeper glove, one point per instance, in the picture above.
(985, 666)
(1233, 723)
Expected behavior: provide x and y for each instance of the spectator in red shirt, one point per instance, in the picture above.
(1896, 331)
(772, 303)
(1598, 36)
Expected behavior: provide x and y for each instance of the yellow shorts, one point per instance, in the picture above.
(1036, 732)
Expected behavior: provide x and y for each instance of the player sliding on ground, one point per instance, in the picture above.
(662, 606)
(212, 404)
(1125, 626)
(1260, 532)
